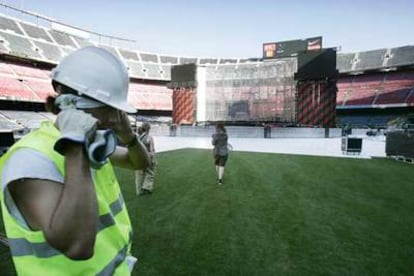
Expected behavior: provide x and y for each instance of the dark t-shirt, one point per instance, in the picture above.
(220, 143)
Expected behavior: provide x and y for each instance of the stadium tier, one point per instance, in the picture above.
(392, 88)
(370, 60)
(36, 32)
(9, 24)
(8, 123)
(236, 88)
(150, 97)
(18, 82)
(28, 72)
(22, 38)
(14, 89)
(50, 52)
(25, 118)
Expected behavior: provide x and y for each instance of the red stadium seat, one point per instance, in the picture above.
(43, 89)
(30, 72)
(14, 89)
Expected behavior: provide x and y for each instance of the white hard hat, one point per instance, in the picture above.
(96, 73)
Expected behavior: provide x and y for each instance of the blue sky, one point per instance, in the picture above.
(230, 28)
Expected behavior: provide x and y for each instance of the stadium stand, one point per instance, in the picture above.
(344, 62)
(19, 82)
(397, 96)
(361, 97)
(42, 89)
(27, 72)
(9, 24)
(169, 59)
(3, 48)
(152, 97)
(110, 49)
(402, 56)
(368, 79)
(185, 60)
(14, 89)
(410, 97)
(133, 95)
(6, 69)
(149, 57)
(344, 85)
(62, 38)
(370, 60)
(227, 60)
(391, 88)
(8, 124)
(28, 119)
(50, 52)
(129, 54)
(82, 42)
(136, 69)
(20, 46)
(245, 60)
(359, 121)
(166, 72)
(208, 61)
(396, 89)
(153, 70)
(48, 115)
(66, 51)
(35, 32)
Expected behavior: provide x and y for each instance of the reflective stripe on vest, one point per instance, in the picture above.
(22, 247)
(119, 258)
(32, 255)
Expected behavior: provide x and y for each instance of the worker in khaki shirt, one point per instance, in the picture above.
(144, 179)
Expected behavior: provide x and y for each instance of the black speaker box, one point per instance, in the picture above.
(351, 145)
(6, 141)
(316, 65)
(184, 75)
(400, 143)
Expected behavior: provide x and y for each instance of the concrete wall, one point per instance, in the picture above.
(248, 132)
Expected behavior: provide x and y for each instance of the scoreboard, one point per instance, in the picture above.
(290, 48)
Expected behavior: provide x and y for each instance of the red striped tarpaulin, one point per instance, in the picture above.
(316, 103)
(184, 105)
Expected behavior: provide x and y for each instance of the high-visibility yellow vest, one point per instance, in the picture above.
(32, 255)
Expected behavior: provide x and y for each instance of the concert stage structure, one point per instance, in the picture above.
(298, 90)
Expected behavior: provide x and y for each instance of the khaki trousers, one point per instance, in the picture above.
(144, 179)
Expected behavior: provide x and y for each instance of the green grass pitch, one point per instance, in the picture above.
(275, 215)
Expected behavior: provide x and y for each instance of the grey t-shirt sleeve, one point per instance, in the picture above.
(28, 163)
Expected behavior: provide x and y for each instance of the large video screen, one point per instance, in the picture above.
(251, 92)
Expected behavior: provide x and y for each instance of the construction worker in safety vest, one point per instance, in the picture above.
(62, 207)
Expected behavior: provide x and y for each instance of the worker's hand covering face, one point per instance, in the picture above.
(110, 118)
